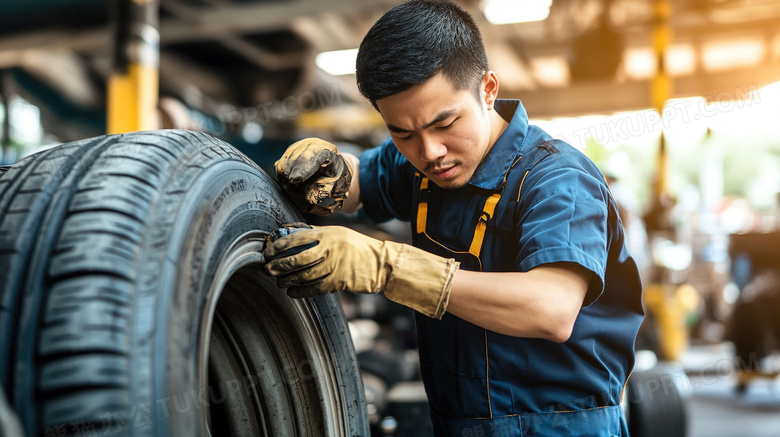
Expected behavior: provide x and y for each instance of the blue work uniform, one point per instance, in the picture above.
(532, 201)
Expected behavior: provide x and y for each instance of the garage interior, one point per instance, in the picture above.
(677, 102)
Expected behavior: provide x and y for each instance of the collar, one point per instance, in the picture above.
(490, 173)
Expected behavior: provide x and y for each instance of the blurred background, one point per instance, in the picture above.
(677, 101)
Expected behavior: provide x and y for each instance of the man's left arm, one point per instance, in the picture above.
(541, 303)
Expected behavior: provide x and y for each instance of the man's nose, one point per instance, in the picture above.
(432, 149)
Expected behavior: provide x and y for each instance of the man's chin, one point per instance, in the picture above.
(448, 184)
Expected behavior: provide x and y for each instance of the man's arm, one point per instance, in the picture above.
(352, 202)
(541, 303)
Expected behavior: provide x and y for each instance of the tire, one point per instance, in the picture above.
(655, 407)
(133, 302)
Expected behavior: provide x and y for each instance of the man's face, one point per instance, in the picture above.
(444, 132)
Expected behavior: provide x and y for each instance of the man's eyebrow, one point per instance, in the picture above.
(443, 115)
(396, 129)
(447, 113)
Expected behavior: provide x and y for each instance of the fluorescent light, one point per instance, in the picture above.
(640, 63)
(680, 59)
(719, 56)
(515, 11)
(551, 71)
(337, 62)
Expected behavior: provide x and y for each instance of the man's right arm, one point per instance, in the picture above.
(321, 180)
(352, 202)
(315, 176)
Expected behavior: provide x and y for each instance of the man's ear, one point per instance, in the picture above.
(490, 88)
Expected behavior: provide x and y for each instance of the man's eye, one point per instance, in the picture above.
(408, 137)
(449, 125)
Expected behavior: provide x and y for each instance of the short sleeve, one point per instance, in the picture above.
(564, 218)
(386, 183)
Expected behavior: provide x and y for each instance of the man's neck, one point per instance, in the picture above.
(497, 126)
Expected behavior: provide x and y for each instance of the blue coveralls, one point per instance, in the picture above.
(532, 201)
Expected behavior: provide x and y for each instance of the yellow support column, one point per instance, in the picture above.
(661, 84)
(133, 87)
(671, 304)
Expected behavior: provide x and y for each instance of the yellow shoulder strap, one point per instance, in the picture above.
(422, 205)
(479, 231)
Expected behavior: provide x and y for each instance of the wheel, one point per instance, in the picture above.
(655, 407)
(752, 338)
(132, 300)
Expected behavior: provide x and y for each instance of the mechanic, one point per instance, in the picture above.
(527, 302)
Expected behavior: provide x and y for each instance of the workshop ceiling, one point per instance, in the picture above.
(589, 56)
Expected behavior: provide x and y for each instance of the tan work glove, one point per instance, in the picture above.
(314, 175)
(326, 259)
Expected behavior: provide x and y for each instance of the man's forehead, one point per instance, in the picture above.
(403, 112)
(427, 122)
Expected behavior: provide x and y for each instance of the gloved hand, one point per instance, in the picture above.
(326, 259)
(314, 175)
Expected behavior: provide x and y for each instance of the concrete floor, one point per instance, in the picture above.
(715, 409)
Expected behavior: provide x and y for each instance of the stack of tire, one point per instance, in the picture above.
(133, 303)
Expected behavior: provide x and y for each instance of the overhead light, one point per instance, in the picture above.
(680, 59)
(639, 63)
(337, 62)
(719, 56)
(551, 71)
(514, 11)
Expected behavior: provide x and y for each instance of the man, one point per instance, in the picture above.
(527, 302)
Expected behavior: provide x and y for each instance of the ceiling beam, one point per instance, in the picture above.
(638, 35)
(234, 20)
(233, 41)
(205, 24)
(252, 18)
(610, 97)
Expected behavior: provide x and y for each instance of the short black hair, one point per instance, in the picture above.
(414, 41)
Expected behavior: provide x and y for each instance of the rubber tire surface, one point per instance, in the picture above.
(110, 248)
(655, 405)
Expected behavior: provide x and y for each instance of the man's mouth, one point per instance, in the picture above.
(444, 172)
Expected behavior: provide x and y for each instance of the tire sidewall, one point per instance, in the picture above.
(189, 236)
